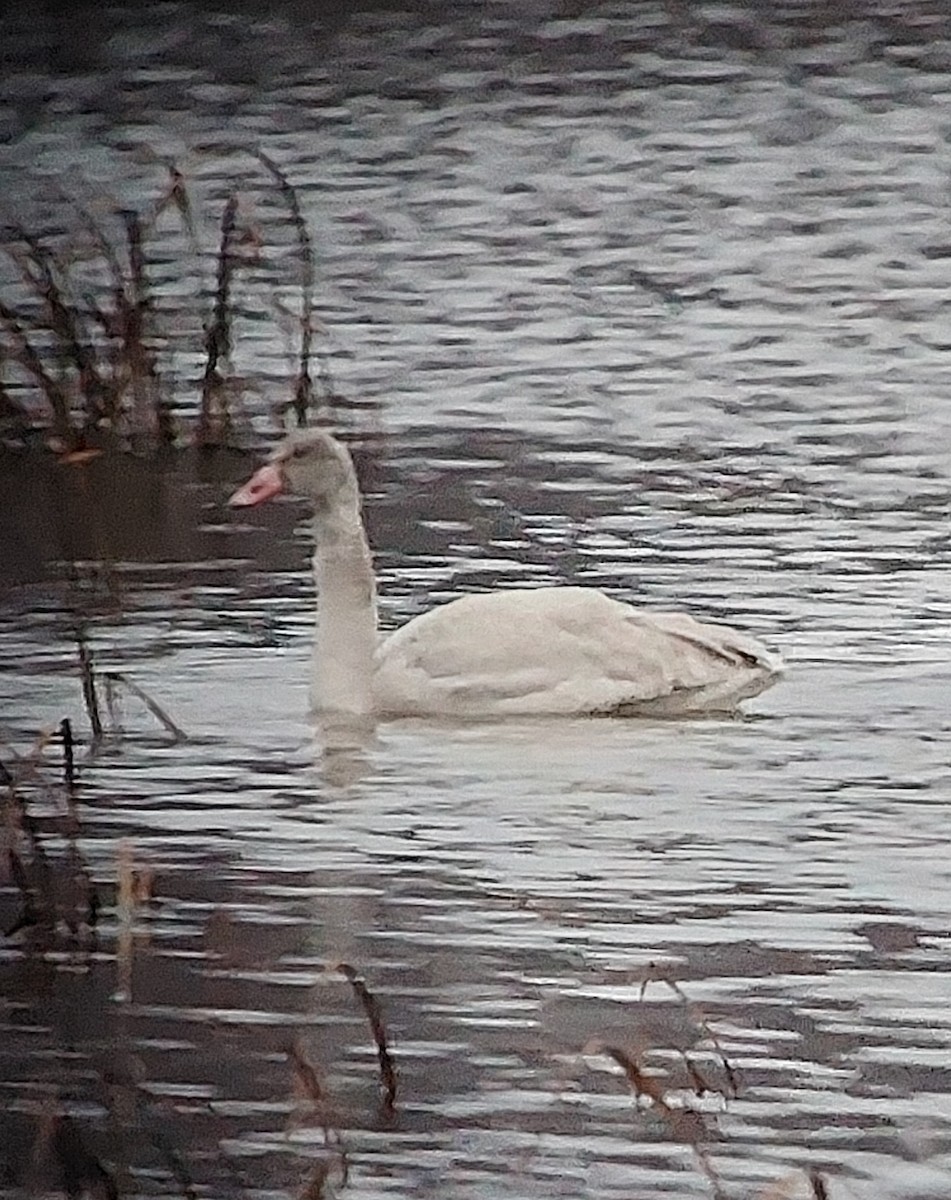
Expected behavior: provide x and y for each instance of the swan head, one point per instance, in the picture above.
(312, 464)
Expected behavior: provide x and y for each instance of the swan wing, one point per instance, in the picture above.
(563, 650)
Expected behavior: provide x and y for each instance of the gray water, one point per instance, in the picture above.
(647, 297)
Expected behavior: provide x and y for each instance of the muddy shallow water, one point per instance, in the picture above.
(647, 299)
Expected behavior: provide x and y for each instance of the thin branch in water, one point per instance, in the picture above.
(64, 322)
(303, 386)
(25, 354)
(111, 690)
(83, 891)
(87, 677)
(69, 761)
(37, 896)
(153, 706)
(657, 975)
(214, 417)
(374, 1014)
(685, 1124)
(151, 411)
(125, 911)
(49, 895)
(176, 196)
(309, 1085)
(306, 1076)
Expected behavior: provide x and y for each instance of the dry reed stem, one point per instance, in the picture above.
(308, 1085)
(107, 380)
(153, 706)
(699, 1083)
(12, 413)
(44, 899)
(96, 235)
(695, 1014)
(37, 269)
(388, 1078)
(29, 916)
(10, 410)
(69, 760)
(106, 374)
(37, 896)
(306, 1077)
(176, 196)
(32, 364)
(685, 1124)
(125, 912)
(88, 896)
(214, 417)
(87, 676)
(128, 322)
(151, 413)
(111, 691)
(303, 386)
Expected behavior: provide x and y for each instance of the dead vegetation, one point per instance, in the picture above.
(56, 890)
(60, 910)
(676, 1107)
(65, 916)
(82, 333)
(81, 354)
(374, 1015)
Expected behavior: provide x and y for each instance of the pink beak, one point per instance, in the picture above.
(262, 485)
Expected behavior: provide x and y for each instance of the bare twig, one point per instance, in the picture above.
(69, 762)
(125, 910)
(90, 696)
(374, 1015)
(659, 975)
(303, 387)
(685, 1124)
(150, 408)
(31, 362)
(214, 409)
(176, 196)
(38, 271)
(153, 706)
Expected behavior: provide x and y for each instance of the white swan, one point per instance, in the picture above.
(528, 651)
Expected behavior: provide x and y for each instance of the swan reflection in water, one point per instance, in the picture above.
(524, 652)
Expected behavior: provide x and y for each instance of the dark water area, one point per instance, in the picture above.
(650, 297)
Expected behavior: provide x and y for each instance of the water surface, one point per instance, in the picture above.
(641, 297)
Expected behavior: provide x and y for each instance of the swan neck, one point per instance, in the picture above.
(346, 635)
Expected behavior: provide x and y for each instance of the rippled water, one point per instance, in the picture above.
(651, 297)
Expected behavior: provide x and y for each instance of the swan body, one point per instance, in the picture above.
(521, 652)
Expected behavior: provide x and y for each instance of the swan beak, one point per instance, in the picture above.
(262, 485)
